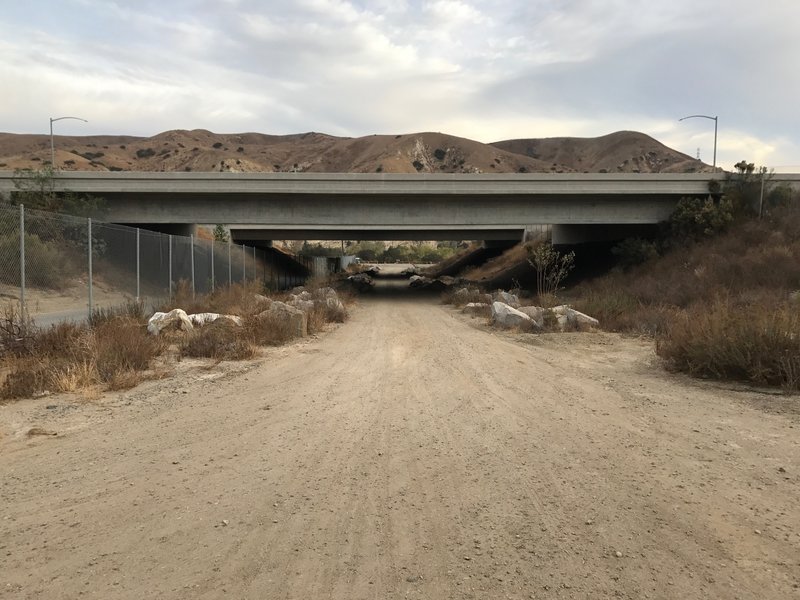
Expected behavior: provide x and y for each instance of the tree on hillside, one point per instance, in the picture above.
(221, 234)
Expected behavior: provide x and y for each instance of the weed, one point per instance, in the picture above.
(734, 340)
(218, 341)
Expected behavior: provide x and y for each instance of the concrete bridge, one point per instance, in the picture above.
(266, 206)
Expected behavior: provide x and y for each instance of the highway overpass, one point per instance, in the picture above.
(265, 206)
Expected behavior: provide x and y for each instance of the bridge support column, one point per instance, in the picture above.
(536, 232)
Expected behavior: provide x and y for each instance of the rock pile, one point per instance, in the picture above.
(294, 312)
(177, 319)
(361, 282)
(535, 317)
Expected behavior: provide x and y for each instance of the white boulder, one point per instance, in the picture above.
(174, 319)
(296, 318)
(507, 316)
(200, 319)
(506, 298)
(534, 312)
(569, 317)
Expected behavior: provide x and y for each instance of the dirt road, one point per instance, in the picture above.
(410, 453)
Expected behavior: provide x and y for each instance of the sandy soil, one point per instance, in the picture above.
(410, 453)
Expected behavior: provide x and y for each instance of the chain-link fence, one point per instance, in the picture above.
(61, 267)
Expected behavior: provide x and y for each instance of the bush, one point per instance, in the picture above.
(734, 340)
(219, 341)
(268, 329)
(634, 251)
(47, 266)
(145, 153)
(68, 356)
(123, 346)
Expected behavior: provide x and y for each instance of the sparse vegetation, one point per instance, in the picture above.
(221, 234)
(551, 268)
(714, 288)
(115, 351)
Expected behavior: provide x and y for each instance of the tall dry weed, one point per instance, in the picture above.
(732, 340)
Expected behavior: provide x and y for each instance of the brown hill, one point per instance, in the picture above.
(201, 150)
(620, 152)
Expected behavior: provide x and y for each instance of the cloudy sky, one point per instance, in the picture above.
(483, 69)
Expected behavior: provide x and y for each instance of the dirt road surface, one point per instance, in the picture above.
(409, 453)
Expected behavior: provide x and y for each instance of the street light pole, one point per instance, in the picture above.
(52, 145)
(715, 119)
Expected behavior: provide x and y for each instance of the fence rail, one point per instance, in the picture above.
(63, 267)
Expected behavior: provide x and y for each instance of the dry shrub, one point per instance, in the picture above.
(67, 357)
(28, 377)
(618, 310)
(17, 330)
(218, 341)
(268, 329)
(72, 376)
(122, 345)
(66, 340)
(237, 299)
(450, 296)
(132, 310)
(759, 343)
(317, 317)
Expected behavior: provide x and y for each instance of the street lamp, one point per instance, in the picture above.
(715, 133)
(52, 146)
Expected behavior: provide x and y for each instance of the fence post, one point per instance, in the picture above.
(91, 291)
(138, 281)
(244, 265)
(212, 266)
(191, 242)
(170, 266)
(255, 265)
(22, 260)
(230, 279)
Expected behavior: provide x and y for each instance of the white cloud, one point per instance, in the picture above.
(486, 69)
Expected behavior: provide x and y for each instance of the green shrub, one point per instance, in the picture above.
(698, 218)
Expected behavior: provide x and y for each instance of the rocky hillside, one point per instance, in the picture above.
(201, 150)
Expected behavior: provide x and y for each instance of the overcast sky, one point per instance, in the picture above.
(482, 69)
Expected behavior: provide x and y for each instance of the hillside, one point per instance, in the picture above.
(204, 151)
(620, 152)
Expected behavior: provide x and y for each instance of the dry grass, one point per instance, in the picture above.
(719, 308)
(114, 350)
(268, 329)
(67, 357)
(473, 294)
(220, 342)
(735, 340)
(238, 299)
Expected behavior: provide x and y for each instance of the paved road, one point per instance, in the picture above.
(410, 453)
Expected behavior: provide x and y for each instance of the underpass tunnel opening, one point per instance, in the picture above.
(491, 259)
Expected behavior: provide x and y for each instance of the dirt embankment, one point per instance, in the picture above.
(410, 453)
